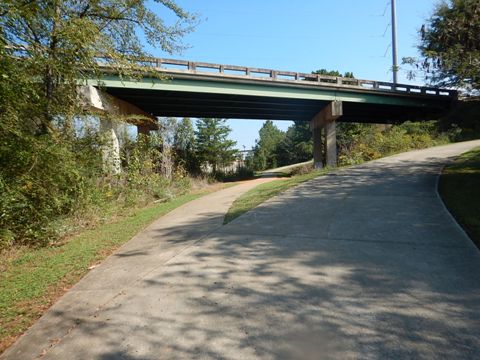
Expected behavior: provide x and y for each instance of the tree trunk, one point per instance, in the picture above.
(49, 79)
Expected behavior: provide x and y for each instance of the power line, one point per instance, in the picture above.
(384, 10)
(384, 33)
(386, 51)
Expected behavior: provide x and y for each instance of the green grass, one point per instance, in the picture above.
(265, 191)
(32, 279)
(460, 189)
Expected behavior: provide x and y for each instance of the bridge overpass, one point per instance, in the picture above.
(197, 89)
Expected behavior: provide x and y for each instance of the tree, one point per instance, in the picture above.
(184, 145)
(59, 42)
(213, 147)
(348, 74)
(265, 152)
(46, 48)
(297, 146)
(450, 45)
(167, 129)
(184, 138)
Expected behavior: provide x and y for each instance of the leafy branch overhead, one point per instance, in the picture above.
(105, 26)
(450, 46)
(62, 40)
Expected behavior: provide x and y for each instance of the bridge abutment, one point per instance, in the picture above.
(324, 135)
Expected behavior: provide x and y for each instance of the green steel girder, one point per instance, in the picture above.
(267, 99)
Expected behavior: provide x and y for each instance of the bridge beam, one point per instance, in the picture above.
(103, 103)
(324, 121)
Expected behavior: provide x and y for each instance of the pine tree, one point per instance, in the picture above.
(213, 148)
(297, 145)
(266, 148)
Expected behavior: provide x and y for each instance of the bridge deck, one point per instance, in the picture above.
(198, 89)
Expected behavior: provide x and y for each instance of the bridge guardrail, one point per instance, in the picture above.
(184, 66)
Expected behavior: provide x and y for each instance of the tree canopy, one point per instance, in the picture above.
(347, 74)
(59, 42)
(450, 45)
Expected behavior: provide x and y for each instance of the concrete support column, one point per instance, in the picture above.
(318, 159)
(325, 154)
(111, 147)
(331, 144)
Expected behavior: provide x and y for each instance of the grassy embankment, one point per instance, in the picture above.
(460, 189)
(31, 279)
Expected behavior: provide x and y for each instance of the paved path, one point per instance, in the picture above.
(365, 263)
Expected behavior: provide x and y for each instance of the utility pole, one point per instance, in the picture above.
(394, 42)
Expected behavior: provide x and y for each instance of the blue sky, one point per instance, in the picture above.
(302, 35)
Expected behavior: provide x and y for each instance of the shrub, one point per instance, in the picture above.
(462, 122)
(364, 142)
(241, 173)
(53, 184)
(39, 182)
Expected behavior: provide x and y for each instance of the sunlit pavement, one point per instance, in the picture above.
(364, 263)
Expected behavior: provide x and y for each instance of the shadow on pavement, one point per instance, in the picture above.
(347, 266)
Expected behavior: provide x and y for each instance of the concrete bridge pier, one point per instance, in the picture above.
(109, 107)
(111, 147)
(325, 145)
